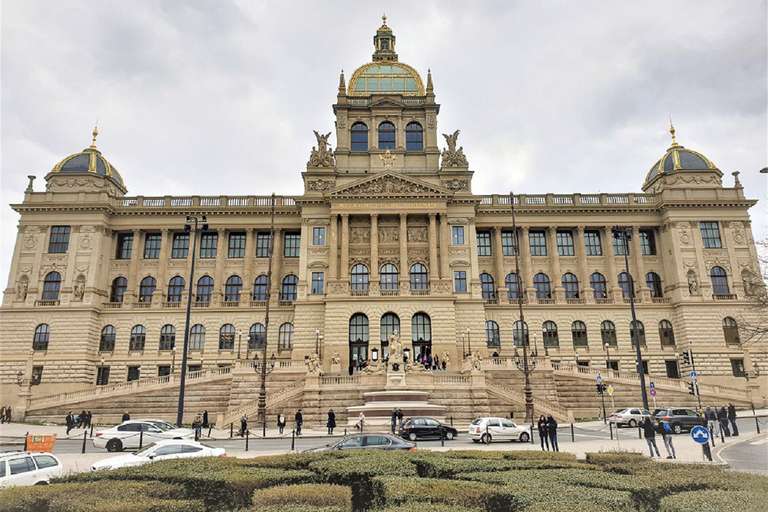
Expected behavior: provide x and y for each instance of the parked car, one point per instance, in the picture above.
(160, 450)
(415, 428)
(129, 434)
(497, 429)
(28, 468)
(366, 441)
(630, 416)
(679, 418)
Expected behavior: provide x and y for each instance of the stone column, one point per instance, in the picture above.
(445, 240)
(433, 265)
(250, 251)
(375, 247)
(581, 254)
(133, 273)
(498, 261)
(344, 270)
(333, 247)
(277, 259)
(303, 251)
(612, 279)
(403, 249)
(641, 291)
(219, 278)
(554, 258)
(162, 263)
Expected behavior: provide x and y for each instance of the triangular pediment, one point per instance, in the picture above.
(390, 185)
(386, 101)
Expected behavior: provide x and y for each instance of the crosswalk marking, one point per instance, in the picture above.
(760, 441)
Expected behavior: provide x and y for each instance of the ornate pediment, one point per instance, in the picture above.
(386, 101)
(391, 185)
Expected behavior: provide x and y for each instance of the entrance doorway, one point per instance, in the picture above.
(422, 347)
(358, 351)
(358, 339)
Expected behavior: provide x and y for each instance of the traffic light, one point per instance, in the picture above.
(688, 357)
(693, 389)
(599, 389)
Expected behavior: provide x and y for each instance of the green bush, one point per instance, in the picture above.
(398, 491)
(555, 477)
(616, 457)
(313, 496)
(449, 468)
(289, 461)
(433, 507)
(722, 501)
(510, 455)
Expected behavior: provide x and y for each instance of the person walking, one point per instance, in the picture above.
(126, 416)
(331, 421)
(393, 420)
(299, 421)
(205, 418)
(243, 424)
(70, 421)
(722, 417)
(663, 429)
(88, 417)
(552, 432)
(732, 419)
(197, 425)
(81, 419)
(8, 414)
(399, 417)
(2, 415)
(649, 432)
(280, 423)
(543, 432)
(712, 422)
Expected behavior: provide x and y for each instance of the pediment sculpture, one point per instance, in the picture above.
(389, 185)
(321, 156)
(453, 157)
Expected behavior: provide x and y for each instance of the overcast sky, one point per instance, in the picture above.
(221, 97)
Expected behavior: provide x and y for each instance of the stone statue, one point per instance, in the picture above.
(477, 361)
(376, 368)
(752, 284)
(321, 156)
(693, 284)
(79, 289)
(453, 157)
(21, 290)
(447, 358)
(322, 141)
(314, 364)
(336, 358)
(395, 347)
(388, 159)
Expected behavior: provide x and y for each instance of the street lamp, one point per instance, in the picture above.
(623, 234)
(318, 339)
(196, 226)
(463, 347)
(608, 355)
(535, 346)
(469, 342)
(239, 340)
(262, 369)
(173, 364)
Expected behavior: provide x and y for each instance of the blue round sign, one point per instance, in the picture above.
(700, 435)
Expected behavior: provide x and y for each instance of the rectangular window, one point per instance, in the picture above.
(180, 246)
(124, 246)
(59, 241)
(102, 377)
(564, 243)
(710, 235)
(483, 243)
(317, 283)
(460, 281)
(647, 242)
(236, 245)
(538, 241)
(292, 245)
(620, 246)
(737, 365)
(37, 376)
(208, 242)
(262, 245)
(318, 236)
(133, 373)
(508, 243)
(592, 243)
(152, 246)
(457, 235)
(162, 371)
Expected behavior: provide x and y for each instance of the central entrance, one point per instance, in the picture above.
(358, 339)
(421, 334)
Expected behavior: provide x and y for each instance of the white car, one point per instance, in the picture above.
(161, 450)
(630, 416)
(28, 468)
(132, 432)
(497, 429)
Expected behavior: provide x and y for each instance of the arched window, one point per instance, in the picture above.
(175, 289)
(147, 288)
(107, 340)
(260, 288)
(51, 286)
(598, 284)
(492, 337)
(42, 337)
(731, 331)
(421, 327)
(167, 337)
(626, 285)
(257, 337)
(389, 322)
(640, 333)
(197, 337)
(232, 289)
(514, 285)
(138, 337)
(518, 336)
(359, 137)
(358, 328)
(285, 337)
(389, 279)
(549, 334)
(419, 279)
(227, 337)
(119, 286)
(359, 278)
(386, 135)
(204, 289)
(653, 281)
(486, 282)
(579, 333)
(608, 333)
(289, 287)
(666, 333)
(571, 285)
(541, 284)
(719, 281)
(414, 137)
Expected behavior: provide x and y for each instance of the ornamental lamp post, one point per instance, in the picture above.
(608, 355)
(173, 362)
(239, 340)
(463, 347)
(469, 342)
(262, 369)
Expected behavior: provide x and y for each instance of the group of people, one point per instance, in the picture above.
(282, 422)
(652, 427)
(548, 433)
(397, 419)
(82, 420)
(5, 414)
(721, 418)
(429, 362)
(199, 423)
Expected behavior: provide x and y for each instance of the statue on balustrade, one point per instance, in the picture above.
(314, 364)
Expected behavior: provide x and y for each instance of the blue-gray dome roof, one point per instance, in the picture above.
(89, 160)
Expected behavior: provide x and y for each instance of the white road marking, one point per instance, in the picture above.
(760, 441)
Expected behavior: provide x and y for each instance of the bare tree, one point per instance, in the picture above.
(753, 323)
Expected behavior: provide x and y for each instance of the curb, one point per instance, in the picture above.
(723, 446)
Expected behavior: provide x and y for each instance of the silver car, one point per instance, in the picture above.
(630, 416)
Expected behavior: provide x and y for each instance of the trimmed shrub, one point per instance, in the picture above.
(433, 507)
(616, 457)
(508, 455)
(556, 477)
(449, 468)
(313, 496)
(289, 461)
(722, 501)
(397, 491)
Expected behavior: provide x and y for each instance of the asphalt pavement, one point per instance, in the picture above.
(749, 455)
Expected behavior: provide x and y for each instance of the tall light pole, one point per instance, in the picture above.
(239, 340)
(469, 342)
(608, 356)
(195, 227)
(623, 234)
(262, 406)
(318, 339)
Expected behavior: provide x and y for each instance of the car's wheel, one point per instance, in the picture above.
(632, 423)
(524, 437)
(412, 436)
(677, 428)
(475, 440)
(114, 445)
(42, 482)
(449, 435)
(486, 438)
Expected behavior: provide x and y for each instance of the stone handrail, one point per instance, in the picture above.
(450, 379)
(124, 388)
(207, 201)
(337, 380)
(570, 199)
(543, 405)
(273, 398)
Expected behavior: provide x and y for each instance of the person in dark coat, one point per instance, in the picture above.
(732, 419)
(722, 417)
(81, 419)
(393, 420)
(281, 422)
(711, 417)
(8, 414)
(88, 417)
(205, 418)
(543, 432)
(70, 421)
(299, 421)
(649, 432)
(126, 416)
(243, 424)
(552, 432)
(2, 415)
(331, 421)
(400, 417)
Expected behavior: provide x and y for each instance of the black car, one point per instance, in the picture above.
(426, 427)
(366, 441)
(679, 418)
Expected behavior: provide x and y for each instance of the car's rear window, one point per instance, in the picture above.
(45, 461)
(477, 421)
(2, 468)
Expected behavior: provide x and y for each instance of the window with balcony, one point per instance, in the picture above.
(175, 289)
(147, 288)
(232, 289)
(138, 337)
(107, 339)
(42, 337)
(197, 337)
(419, 277)
(285, 337)
(626, 285)
(487, 286)
(571, 285)
(579, 333)
(204, 289)
(389, 277)
(289, 290)
(359, 278)
(117, 292)
(492, 336)
(599, 285)
(167, 337)
(260, 288)
(541, 285)
(124, 246)
(227, 337)
(51, 286)
(653, 282)
(719, 281)
(549, 334)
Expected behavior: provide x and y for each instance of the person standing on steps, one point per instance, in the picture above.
(243, 424)
(281, 423)
(299, 421)
(70, 421)
(331, 421)
(205, 418)
(126, 416)
(732, 419)
(552, 432)
(543, 432)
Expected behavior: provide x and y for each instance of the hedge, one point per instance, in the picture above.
(308, 496)
(396, 491)
(290, 461)
(450, 468)
(509, 455)
(722, 501)
(616, 457)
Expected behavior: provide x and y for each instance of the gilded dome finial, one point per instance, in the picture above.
(672, 131)
(384, 19)
(95, 134)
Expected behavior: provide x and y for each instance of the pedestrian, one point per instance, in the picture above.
(360, 421)
(2, 415)
(712, 422)
(393, 420)
(88, 417)
(732, 419)
(205, 418)
(197, 425)
(126, 416)
(331, 421)
(649, 432)
(70, 421)
(243, 424)
(436, 366)
(663, 428)
(722, 417)
(444, 365)
(281, 423)
(400, 417)
(81, 419)
(8, 414)
(543, 432)
(552, 432)
(429, 361)
(299, 421)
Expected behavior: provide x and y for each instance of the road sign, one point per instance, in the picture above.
(599, 378)
(694, 376)
(610, 389)
(700, 435)
(653, 392)
(652, 385)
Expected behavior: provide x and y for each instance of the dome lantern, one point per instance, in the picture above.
(89, 161)
(679, 159)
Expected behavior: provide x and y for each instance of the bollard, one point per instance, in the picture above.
(573, 435)
(610, 430)
(264, 429)
(231, 430)
(639, 432)
(442, 437)
(293, 440)
(722, 434)
(487, 435)
(85, 436)
(451, 420)
(25, 440)
(247, 435)
(707, 452)
(345, 432)
(757, 423)
(141, 440)
(91, 431)
(532, 433)
(711, 437)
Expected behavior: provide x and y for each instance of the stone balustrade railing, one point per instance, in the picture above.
(570, 199)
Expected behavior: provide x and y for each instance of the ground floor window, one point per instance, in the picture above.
(162, 371)
(133, 373)
(738, 368)
(673, 370)
(102, 377)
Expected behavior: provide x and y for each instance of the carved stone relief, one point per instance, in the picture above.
(431, 121)
(341, 121)
(683, 229)
(52, 266)
(455, 184)
(30, 241)
(33, 230)
(753, 285)
(359, 236)
(458, 251)
(86, 241)
(718, 261)
(417, 235)
(321, 185)
(387, 235)
(739, 235)
(317, 251)
(389, 185)
(78, 289)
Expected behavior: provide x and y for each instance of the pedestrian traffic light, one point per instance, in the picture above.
(599, 389)
(692, 389)
(688, 357)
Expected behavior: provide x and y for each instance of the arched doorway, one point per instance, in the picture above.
(421, 334)
(389, 323)
(358, 339)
